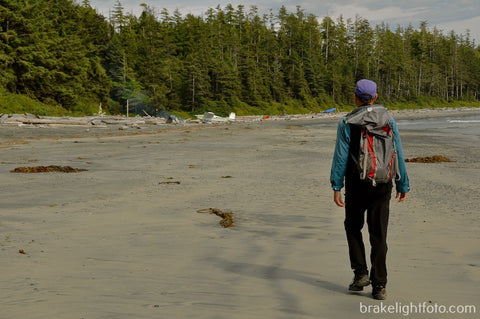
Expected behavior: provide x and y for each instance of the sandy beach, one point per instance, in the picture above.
(123, 239)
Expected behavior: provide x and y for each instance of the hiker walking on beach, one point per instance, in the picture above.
(368, 157)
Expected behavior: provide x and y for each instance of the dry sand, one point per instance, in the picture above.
(124, 239)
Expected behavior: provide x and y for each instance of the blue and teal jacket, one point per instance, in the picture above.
(340, 158)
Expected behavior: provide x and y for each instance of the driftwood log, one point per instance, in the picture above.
(97, 120)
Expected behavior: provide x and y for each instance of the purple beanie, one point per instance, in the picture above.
(366, 89)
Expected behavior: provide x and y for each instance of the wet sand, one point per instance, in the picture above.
(123, 239)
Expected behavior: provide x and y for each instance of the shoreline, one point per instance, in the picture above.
(20, 127)
(137, 121)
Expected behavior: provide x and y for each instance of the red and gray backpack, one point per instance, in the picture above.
(377, 156)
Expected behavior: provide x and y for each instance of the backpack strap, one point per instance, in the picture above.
(363, 174)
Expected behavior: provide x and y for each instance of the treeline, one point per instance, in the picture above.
(229, 59)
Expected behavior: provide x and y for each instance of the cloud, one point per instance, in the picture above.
(462, 26)
(376, 14)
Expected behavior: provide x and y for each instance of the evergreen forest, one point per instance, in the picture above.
(63, 57)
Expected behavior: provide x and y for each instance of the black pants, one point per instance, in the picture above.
(361, 198)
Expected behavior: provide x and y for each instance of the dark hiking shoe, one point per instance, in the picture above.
(359, 282)
(379, 293)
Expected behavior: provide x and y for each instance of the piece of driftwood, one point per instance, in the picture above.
(428, 159)
(51, 121)
(47, 169)
(96, 120)
(227, 217)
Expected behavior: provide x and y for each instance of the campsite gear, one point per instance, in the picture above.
(333, 109)
(377, 157)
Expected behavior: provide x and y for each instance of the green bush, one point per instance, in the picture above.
(11, 103)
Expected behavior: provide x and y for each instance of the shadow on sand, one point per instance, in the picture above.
(277, 273)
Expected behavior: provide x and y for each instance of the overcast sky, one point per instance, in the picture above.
(446, 15)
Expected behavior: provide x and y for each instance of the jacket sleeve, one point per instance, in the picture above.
(340, 157)
(402, 183)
